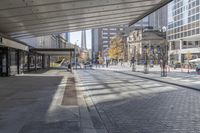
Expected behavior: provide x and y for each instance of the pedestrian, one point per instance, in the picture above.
(69, 67)
(107, 63)
(122, 63)
(132, 61)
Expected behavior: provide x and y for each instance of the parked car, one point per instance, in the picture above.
(88, 64)
(177, 65)
(198, 68)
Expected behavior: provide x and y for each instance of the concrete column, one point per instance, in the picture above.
(49, 61)
(181, 44)
(76, 60)
(35, 62)
(128, 52)
(28, 62)
(180, 50)
(18, 61)
(46, 61)
(23, 61)
(43, 61)
(71, 60)
(170, 48)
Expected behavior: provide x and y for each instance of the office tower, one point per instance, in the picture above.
(183, 30)
(83, 40)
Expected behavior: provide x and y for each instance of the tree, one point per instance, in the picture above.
(189, 57)
(116, 48)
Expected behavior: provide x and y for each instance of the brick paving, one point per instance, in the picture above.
(31, 103)
(129, 104)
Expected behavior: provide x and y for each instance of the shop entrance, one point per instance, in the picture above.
(3, 61)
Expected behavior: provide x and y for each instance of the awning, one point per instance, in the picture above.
(55, 51)
(195, 60)
(28, 18)
(13, 44)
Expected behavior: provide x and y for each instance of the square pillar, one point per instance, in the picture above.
(180, 50)
(28, 62)
(18, 61)
(23, 62)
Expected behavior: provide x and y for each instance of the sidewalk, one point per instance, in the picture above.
(43, 102)
(175, 76)
(188, 82)
(156, 69)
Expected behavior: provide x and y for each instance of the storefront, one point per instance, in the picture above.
(11, 56)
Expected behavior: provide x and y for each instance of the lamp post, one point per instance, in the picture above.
(75, 54)
(164, 58)
(133, 60)
(146, 69)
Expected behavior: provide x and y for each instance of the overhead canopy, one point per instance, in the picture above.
(28, 18)
(54, 51)
(195, 60)
(13, 43)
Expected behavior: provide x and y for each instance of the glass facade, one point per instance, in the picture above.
(184, 19)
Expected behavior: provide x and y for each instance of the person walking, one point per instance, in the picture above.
(132, 61)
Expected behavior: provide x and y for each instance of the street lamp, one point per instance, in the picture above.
(164, 58)
(146, 69)
(133, 60)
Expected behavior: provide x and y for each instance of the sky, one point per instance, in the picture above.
(75, 37)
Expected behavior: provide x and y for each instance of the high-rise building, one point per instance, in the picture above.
(95, 44)
(158, 19)
(107, 33)
(101, 39)
(101, 36)
(67, 36)
(83, 40)
(183, 30)
(141, 24)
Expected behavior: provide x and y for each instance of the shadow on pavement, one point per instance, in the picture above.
(25, 103)
(128, 106)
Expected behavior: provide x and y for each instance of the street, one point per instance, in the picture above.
(128, 104)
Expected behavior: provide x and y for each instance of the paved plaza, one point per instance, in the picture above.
(129, 104)
(97, 101)
(38, 103)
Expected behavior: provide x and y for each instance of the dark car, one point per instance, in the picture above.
(88, 64)
(76, 64)
(198, 68)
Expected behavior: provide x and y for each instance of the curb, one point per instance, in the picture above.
(85, 119)
(91, 108)
(167, 82)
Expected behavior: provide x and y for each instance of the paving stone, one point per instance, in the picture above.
(145, 107)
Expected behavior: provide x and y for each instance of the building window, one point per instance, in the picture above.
(196, 43)
(197, 31)
(113, 29)
(185, 34)
(189, 33)
(112, 33)
(193, 32)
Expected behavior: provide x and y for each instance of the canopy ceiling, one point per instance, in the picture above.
(28, 18)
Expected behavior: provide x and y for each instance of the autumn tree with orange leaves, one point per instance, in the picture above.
(116, 48)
